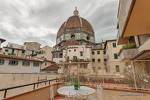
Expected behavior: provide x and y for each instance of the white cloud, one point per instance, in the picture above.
(39, 20)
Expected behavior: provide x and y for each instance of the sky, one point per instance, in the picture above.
(39, 20)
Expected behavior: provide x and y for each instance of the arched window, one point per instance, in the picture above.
(72, 36)
(88, 38)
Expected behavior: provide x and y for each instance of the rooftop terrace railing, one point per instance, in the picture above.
(35, 84)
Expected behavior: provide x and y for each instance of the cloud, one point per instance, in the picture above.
(39, 20)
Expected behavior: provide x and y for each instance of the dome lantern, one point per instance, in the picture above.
(76, 12)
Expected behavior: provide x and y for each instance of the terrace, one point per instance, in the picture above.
(48, 90)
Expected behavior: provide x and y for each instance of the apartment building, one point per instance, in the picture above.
(113, 64)
(1, 41)
(134, 34)
(74, 53)
(97, 58)
(17, 50)
(15, 64)
(45, 52)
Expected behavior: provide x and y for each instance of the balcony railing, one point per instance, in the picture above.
(35, 85)
(128, 51)
(145, 46)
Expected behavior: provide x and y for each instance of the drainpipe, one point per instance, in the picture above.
(137, 41)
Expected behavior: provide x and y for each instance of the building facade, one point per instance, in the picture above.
(15, 64)
(134, 34)
(45, 52)
(1, 41)
(27, 58)
(114, 65)
(75, 42)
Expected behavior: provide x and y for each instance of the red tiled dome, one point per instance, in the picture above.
(74, 24)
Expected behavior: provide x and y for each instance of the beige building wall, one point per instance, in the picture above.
(19, 68)
(46, 52)
(17, 52)
(98, 63)
(112, 63)
(32, 45)
(75, 51)
(17, 79)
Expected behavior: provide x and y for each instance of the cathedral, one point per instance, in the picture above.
(76, 49)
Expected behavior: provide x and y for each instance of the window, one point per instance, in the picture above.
(115, 56)
(75, 58)
(104, 52)
(23, 51)
(60, 55)
(117, 68)
(93, 60)
(13, 62)
(35, 64)
(12, 51)
(26, 63)
(68, 58)
(88, 38)
(1, 61)
(81, 53)
(72, 36)
(93, 52)
(69, 50)
(74, 50)
(98, 52)
(99, 60)
(114, 45)
(99, 68)
(6, 50)
(85, 67)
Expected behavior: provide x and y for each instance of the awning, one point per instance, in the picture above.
(138, 22)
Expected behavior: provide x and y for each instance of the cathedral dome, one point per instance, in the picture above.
(75, 24)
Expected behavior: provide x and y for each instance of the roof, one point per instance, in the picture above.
(2, 40)
(53, 67)
(138, 18)
(20, 58)
(71, 42)
(15, 48)
(32, 43)
(109, 41)
(47, 60)
(76, 24)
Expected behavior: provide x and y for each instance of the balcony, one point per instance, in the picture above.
(48, 90)
(143, 51)
(145, 46)
(128, 52)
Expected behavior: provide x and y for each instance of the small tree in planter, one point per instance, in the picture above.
(76, 84)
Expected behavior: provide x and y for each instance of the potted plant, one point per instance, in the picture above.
(76, 84)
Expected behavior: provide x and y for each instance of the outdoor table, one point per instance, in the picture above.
(69, 91)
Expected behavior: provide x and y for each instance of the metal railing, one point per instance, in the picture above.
(30, 84)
